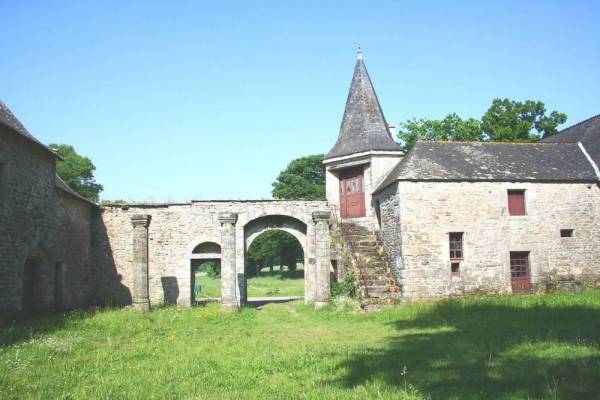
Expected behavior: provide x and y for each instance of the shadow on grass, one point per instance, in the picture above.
(480, 350)
(20, 331)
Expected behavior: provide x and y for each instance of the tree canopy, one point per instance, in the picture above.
(303, 178)
(77, 171)
(274, 247)
(505, 121)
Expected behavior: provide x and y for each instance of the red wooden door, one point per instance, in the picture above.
(519, 271)
(352, 193)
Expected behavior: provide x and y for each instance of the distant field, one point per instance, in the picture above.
(275, 283)
(537, 347)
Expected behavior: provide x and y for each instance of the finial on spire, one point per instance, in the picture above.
(359, 54)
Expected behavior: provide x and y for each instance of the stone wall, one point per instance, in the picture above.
(428, 211)
(74, 241)
(389, 230)
(43, 228)
(26, 230)
(176, 229)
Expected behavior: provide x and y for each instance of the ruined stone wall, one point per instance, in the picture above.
(428, 211)
(173, 233)
(74, 241)
(26, 227)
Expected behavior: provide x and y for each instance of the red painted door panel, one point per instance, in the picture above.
(352, 193)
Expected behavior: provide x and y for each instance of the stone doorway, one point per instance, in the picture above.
(205, 273)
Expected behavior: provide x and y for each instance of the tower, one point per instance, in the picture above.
(364, 152)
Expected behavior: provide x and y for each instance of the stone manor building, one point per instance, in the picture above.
(446, 218)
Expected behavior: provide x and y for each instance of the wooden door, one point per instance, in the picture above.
(519, 271)
(352, 193)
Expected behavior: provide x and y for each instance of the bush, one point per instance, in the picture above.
(347, 287)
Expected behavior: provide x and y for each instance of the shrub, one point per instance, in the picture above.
(346, 287)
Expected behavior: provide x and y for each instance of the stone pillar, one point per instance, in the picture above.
(322, 239)
(141, 300)
(229, 299)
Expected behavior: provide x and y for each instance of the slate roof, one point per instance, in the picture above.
(363, 127)
(8, 119)
(587, 132)
(62, 185)
(492, 161)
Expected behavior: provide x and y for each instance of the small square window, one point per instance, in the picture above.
(566, 233)
(455, 268)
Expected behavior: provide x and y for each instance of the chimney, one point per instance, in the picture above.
(392, 131)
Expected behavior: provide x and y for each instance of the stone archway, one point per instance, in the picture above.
(291, 225)
(234, 237)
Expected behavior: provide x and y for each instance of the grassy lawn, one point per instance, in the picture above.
(491, 348)
(277, 283)
(267, 283)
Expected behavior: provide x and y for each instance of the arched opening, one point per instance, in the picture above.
(275, 257)
(205, 269)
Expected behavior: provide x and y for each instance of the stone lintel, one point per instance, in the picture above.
(141, 219)
(321, 215)
(228, 218)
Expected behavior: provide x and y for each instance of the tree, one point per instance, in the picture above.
(452, 127)
(505, 121)
(514, 121)
(274, 247)
(303, 178)
(77, 171)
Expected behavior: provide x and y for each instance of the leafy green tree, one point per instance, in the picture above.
(77, 171)
(506, 121)
(514, 121)
(303, 178)
(271, 248)
(452, 127)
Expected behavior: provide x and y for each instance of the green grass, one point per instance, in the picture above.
(266, 284)
(277, 283)
(489, 348)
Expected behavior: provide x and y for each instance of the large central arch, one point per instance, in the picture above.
(295, 227)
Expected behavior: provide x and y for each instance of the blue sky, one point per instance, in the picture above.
(180, 100)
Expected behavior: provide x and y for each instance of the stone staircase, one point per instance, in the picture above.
(374, 277)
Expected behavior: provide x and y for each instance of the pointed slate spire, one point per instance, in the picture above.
(363, 127)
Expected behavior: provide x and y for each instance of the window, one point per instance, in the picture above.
(519, 264)
(455, 268)
(566, 233)
(516, 202)
(456, 245)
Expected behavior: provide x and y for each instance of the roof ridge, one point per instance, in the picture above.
(482, 142)
(577, 124)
